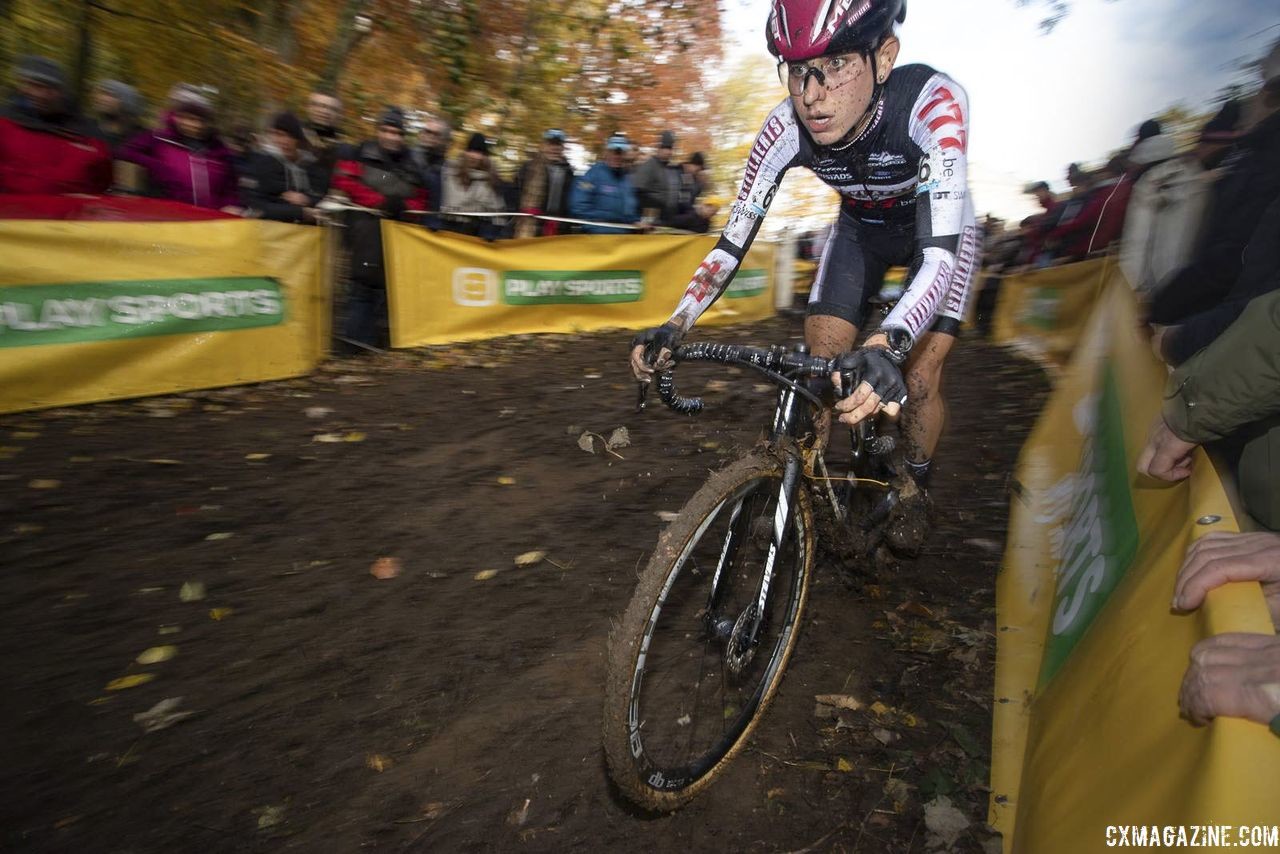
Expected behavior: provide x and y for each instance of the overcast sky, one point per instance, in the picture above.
(1039, 102)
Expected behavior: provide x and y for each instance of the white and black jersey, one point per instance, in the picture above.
(904, 201)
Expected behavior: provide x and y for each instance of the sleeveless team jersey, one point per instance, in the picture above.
(905, 173)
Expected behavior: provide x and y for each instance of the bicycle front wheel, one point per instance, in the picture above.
(699, 653)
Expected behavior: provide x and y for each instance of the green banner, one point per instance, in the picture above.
(548, 287)
(1101, 539)
(107, 311)
(748, 283)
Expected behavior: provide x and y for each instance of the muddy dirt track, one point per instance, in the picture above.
(322, 709)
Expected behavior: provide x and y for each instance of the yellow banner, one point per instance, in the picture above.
(94, 311)
(445, 287)
(1090, 657)
(1042, 313)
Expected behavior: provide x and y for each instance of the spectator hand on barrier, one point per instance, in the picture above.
(1234, 674)
(1219, 558)
(1166, 456)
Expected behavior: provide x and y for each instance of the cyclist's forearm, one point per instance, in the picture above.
(920, 302)
(710, 281)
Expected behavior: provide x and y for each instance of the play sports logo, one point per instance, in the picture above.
(478, 287)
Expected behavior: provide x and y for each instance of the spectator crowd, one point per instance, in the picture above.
(308, 169)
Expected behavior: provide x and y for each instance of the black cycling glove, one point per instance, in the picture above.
(876, 367)
(665, 337)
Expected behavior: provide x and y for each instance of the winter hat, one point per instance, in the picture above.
(290, 124)
(697, 159)
(618, 142)
(477, 142)
(185, 98)
(1148, 129)
(392, 117)
(130, 100)
(667, 140)
(41, 69)
(1224, 126)
(554, 135)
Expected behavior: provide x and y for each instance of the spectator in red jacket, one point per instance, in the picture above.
(44, 146)
(1100, 219)
(386, 177)
(185, 158)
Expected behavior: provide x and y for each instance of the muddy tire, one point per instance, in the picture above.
(683, 630)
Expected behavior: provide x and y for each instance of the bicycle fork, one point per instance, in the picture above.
(741, 634)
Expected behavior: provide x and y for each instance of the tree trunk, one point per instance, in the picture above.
(79, 89)
(345, 41)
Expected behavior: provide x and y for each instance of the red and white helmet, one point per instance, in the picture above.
(802, 29)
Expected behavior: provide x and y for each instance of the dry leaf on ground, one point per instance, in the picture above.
(385, 567)
(530, 558)
(944, 822)
(162, 715)
(133, 680)
(586, 443)
(485, 574)
(191, 591)
(156, 654)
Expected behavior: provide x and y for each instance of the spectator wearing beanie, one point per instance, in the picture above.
(657, 181)
(44, 146)
(184, 157)
(279, 182)
(382, 174)
(471, 185)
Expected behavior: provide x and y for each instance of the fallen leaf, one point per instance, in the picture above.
(269, 817)
(165, 462)
(898, 791)
(667, 515)
(133, 680)
(156, 654)
(775, 793)
(219, 614)
(385, 567)
(520, 815)
(162, 715)
(433, 810)
(45, 483)
(879, 708)
(944, 821)
(221, 535)
(191, 591)
(24, 434)
(884, 736)
(485, 574)
(317, 411)
(506, 481)
(843, 764)
(354, 436)
(327, 438)
(378, 762)
(840, 701)
(915, 609)
(256, 456)
(170, 630)
(619, 438)
(587, 443)
(530, 558)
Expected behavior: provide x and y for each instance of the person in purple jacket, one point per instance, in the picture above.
(185, 158)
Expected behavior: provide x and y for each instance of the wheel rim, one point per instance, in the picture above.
(696, 689)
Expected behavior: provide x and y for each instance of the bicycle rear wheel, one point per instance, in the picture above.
(686, 685)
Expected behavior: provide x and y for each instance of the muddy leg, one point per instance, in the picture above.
(926, 413)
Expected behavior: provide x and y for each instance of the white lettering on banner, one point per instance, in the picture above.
(536, 288)
(54, 314)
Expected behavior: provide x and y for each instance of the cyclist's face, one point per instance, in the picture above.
(828, 111)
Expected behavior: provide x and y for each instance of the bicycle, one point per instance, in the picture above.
(717, 608)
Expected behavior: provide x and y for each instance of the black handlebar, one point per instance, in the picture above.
(780, 364)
